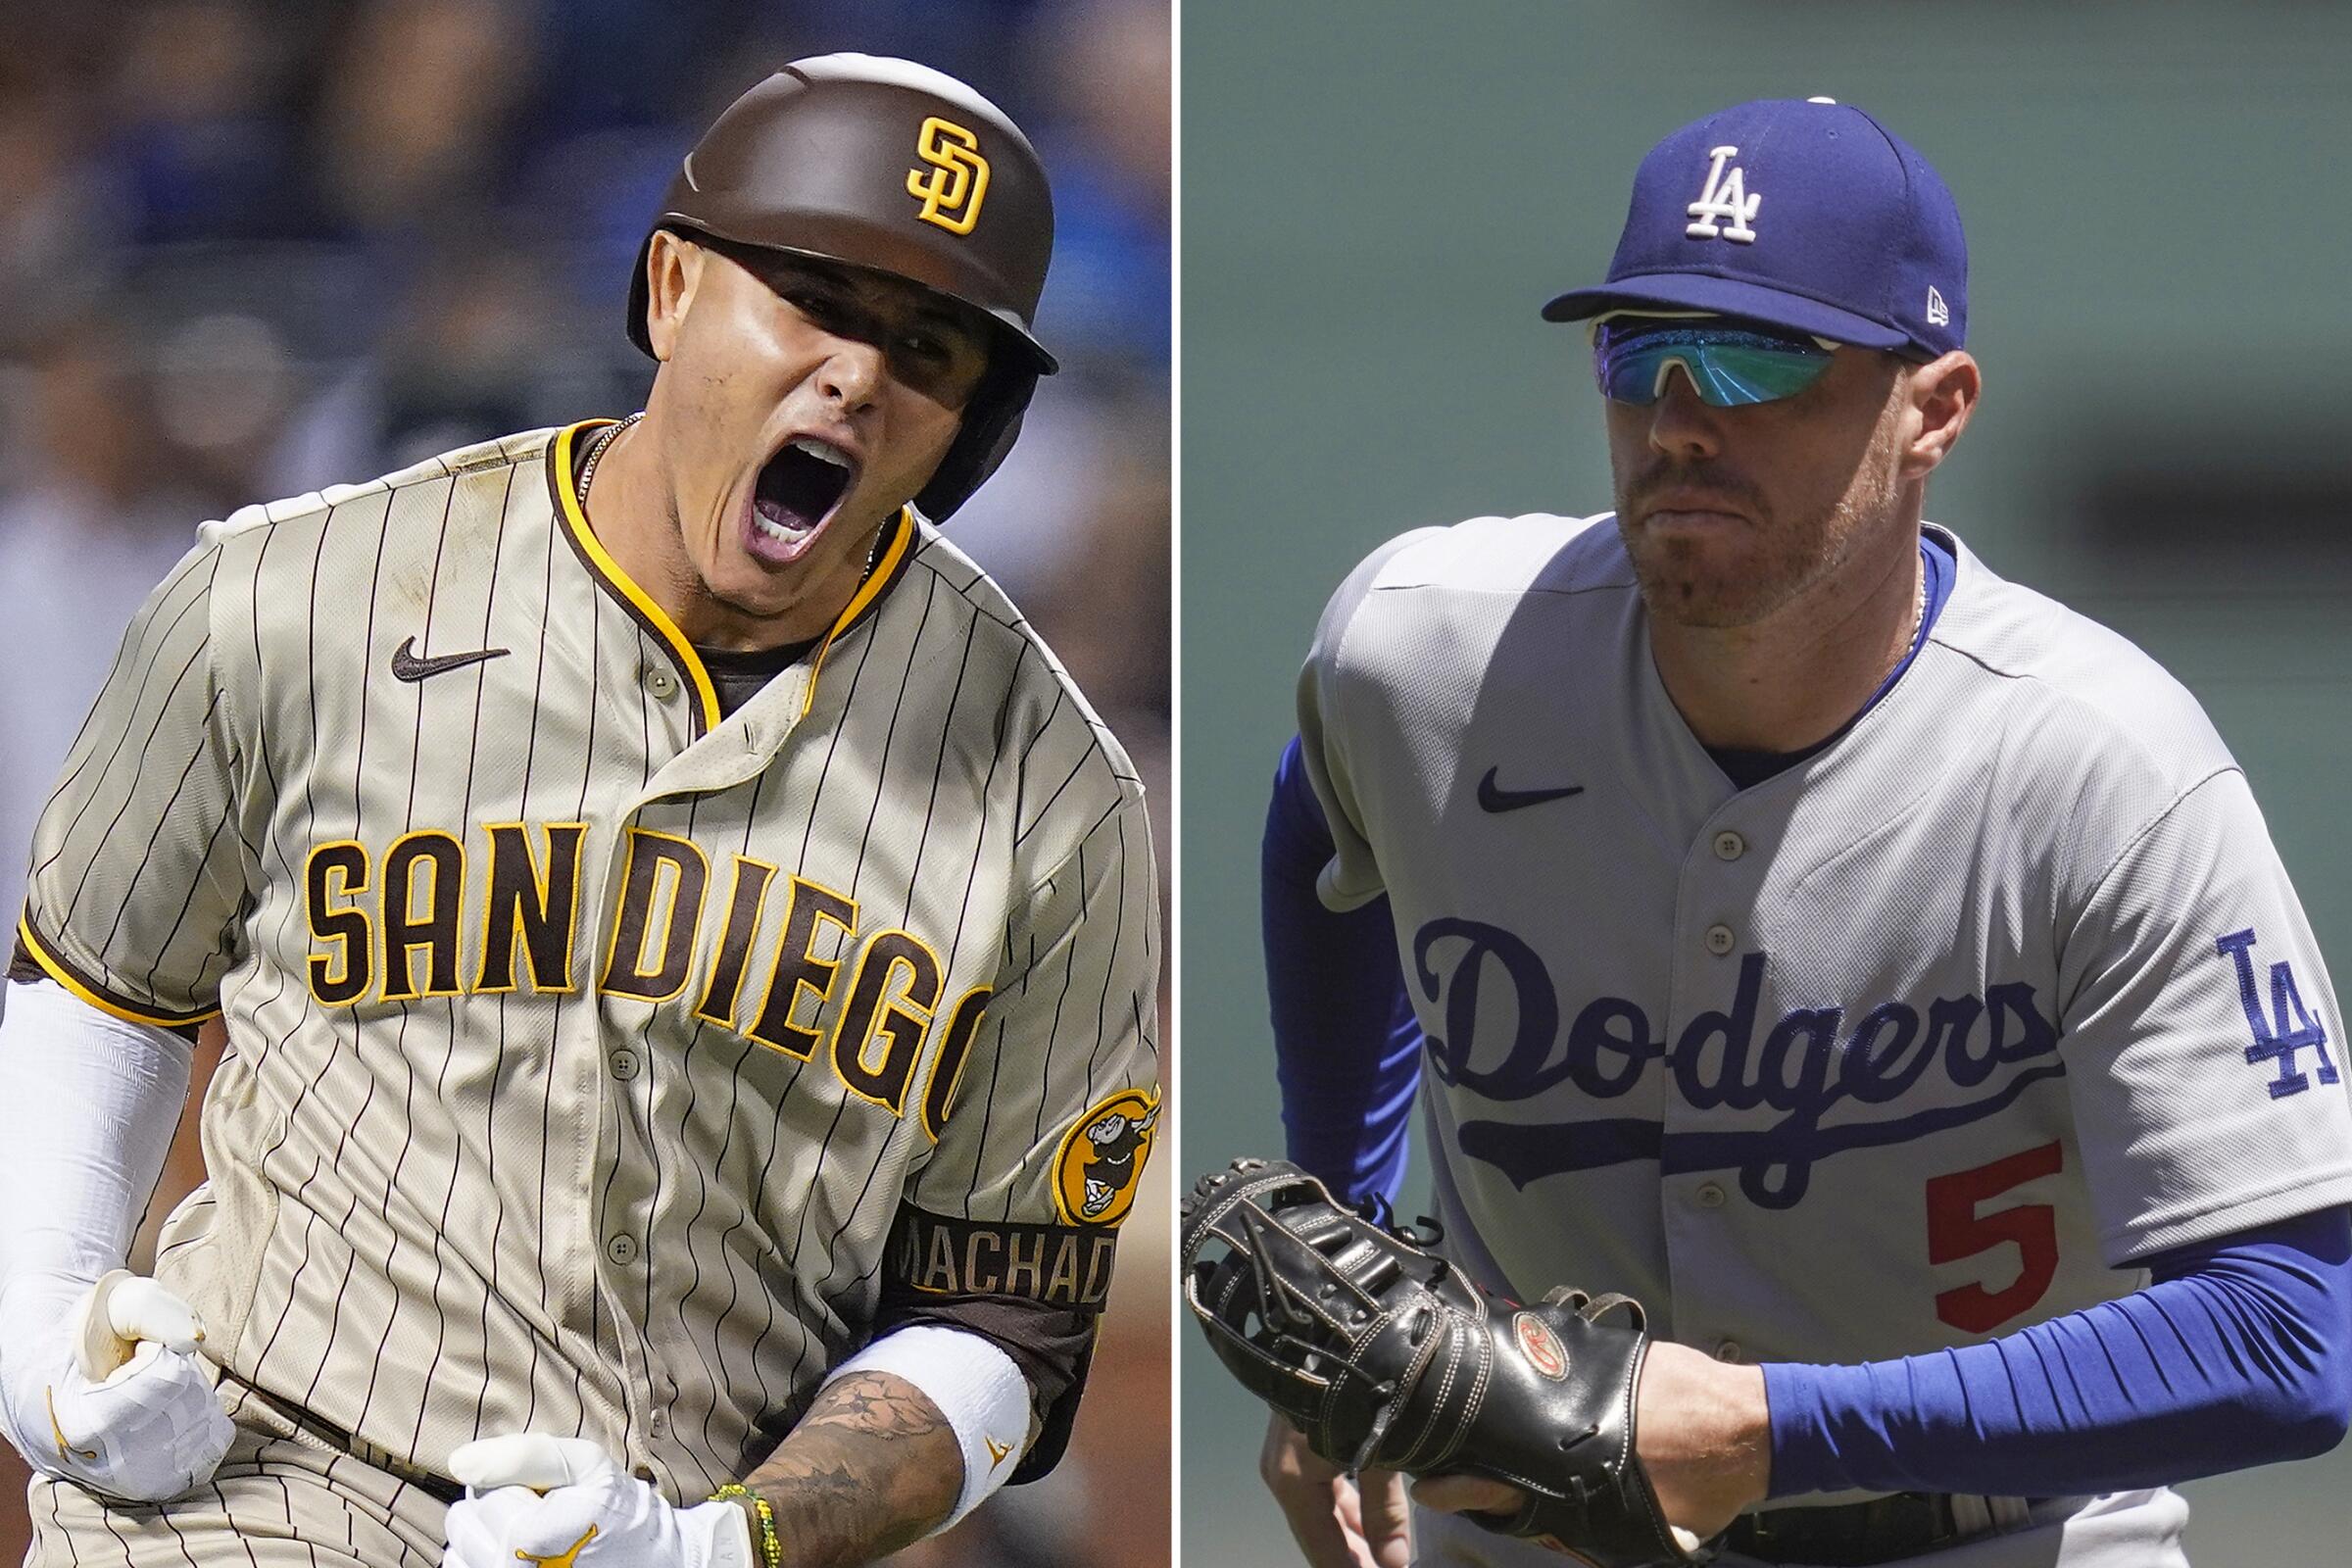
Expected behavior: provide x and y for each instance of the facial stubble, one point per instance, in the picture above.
(1685, 580)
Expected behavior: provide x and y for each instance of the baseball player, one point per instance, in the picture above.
(1878, 970)
(685, 943)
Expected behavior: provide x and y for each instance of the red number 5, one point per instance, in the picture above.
(1955, 1229)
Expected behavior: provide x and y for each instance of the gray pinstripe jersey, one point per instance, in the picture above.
(585, 1047)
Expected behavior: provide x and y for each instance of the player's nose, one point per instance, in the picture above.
(1679, 424)
(851, 374)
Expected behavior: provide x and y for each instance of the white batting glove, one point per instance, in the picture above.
(109, 1393)
(562, 1502)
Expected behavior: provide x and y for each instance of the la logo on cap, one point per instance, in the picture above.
(1726, 197)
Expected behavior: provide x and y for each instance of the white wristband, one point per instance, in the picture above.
(975, 1386)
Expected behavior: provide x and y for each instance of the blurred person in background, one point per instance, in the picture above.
(85, 530)
(416, 108)
(198, 134)
(215, 287)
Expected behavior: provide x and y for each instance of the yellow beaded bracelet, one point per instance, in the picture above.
(772, 1550)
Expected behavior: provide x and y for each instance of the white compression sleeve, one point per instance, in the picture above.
(975, 1386)
(89, 1102)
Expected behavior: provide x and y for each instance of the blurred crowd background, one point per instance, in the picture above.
(249, 248)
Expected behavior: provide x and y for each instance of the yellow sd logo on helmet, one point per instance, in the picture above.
(951, 187)
(1096, 1169)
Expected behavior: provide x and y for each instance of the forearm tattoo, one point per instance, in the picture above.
(872, 1468)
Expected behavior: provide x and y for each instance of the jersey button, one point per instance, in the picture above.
(660, 1421)
(1709, 1195)
(624, 1064)
(1727, 1350)
(1719, 939)
(1730, 845)
(621, 1249)
(660, 682)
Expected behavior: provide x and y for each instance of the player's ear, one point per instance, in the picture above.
(1942, 393)
(673, 270)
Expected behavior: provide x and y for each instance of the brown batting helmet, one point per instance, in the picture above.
(894, 166)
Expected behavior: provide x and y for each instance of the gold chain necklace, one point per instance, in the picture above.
(604, 439)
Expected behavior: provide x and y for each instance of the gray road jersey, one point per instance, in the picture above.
(1925, 1039)
(585, 1047)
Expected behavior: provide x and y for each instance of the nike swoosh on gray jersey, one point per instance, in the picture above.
(405, 665)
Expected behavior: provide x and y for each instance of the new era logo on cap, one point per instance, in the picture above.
(1806, 215)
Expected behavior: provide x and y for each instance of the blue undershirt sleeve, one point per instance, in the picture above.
(2237, 1354)
(1346, 1047)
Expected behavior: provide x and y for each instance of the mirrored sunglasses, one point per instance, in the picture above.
(1730, 365)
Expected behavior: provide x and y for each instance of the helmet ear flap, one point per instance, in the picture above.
(641, 298)
(992, 423)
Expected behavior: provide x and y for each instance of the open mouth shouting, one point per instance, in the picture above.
(798, 491)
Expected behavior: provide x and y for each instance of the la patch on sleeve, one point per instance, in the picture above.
(2286, 1028)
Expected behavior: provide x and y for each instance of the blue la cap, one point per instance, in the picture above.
(1807, 214)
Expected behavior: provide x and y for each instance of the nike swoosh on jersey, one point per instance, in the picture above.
(1493, 798)
(405, 665)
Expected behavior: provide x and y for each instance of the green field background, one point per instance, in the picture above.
(1377, 196)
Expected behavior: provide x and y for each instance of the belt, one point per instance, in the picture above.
(1856, 1535)
(358, 1448)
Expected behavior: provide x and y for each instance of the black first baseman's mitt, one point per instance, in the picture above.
(1383, 1353)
